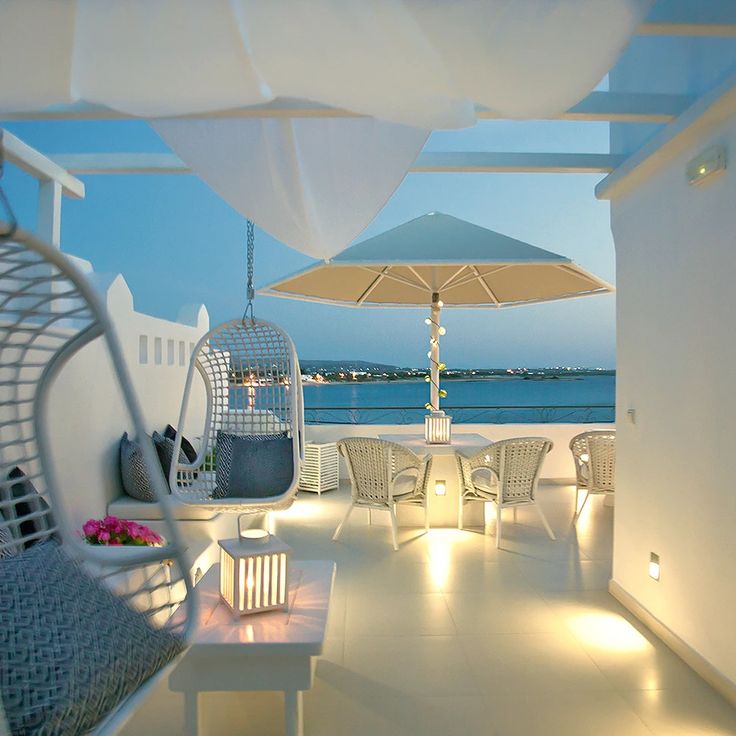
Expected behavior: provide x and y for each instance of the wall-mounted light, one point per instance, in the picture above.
(440, 488)
(653, 566)
(705, 166)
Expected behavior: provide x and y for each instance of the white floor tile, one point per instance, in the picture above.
(695, 711)
(391, 614)
(531, 662)
(419, 665)
(565, 713)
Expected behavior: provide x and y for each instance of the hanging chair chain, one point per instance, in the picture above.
(7, 213)
(250, 292)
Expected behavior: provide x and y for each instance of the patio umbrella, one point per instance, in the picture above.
(438, 261)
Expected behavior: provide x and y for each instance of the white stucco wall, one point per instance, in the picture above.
(86, 412)
(676, 352)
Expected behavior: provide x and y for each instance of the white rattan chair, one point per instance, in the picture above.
(512, 468)
(383, 475)
(47, 313)
(594, 455)
(253, 386)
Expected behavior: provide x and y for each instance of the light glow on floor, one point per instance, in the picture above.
(604, 630)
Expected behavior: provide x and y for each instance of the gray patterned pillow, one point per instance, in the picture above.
(134, 473)
(253, 466)
(165, 451)
(70, 651)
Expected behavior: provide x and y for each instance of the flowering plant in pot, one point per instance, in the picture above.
(114, 532)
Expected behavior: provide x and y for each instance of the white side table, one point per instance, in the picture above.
(274, 650)
(321, 467)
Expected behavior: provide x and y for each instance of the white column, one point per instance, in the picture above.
(48, 225)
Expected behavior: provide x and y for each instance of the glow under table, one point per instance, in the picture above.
(273, 650)
(443, 510)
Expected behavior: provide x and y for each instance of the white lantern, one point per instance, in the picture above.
(437, 428)
(254, 571)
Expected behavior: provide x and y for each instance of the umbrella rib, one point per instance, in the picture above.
(591, 278)
(373, 284)
(471, 277)
(416, 273)
(454, 276)
(485, 286)
(387, 274)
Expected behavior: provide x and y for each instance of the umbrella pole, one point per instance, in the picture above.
(437, 430)
(434, 352)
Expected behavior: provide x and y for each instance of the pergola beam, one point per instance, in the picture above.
(597, 106)
(699, 19)
(39, 166)
(428, 162)
(712, 110)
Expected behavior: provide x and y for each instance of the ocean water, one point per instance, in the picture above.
(511, 399)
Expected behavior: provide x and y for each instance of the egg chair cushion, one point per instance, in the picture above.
(134, 472)
(253, 466)
(70, 651)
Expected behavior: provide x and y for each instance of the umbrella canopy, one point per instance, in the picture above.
(436, 254)
(440, 261)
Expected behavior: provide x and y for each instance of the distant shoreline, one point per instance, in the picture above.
(471, 379)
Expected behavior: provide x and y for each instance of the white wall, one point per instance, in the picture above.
(558, 465)
(676, 352)
(86, 411)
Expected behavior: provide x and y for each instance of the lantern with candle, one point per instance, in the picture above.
(254, 571)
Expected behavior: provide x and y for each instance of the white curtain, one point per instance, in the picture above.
(312, 184)
(423, 63)
(410, 65)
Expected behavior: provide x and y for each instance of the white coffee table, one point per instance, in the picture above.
(274, 650)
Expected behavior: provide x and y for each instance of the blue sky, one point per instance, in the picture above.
(177, 243)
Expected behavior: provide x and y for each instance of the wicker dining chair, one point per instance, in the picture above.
(85, 630)
(594, 455)
(512, 469)
(384, 475)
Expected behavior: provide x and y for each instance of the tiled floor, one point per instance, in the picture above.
(451, 636)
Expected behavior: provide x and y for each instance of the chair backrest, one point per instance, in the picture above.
(372, 465)
(47, 313)
(467, 464)
(595, 457)
(580, 457)
(517, 463)
(253, 386)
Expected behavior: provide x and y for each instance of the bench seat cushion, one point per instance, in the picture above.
(125, 507)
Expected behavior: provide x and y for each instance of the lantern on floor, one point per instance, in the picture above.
(254, 571)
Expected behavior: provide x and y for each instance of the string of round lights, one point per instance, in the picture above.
(435, 365)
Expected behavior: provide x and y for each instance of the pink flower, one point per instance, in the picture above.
(116, 532)
(91, 527)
